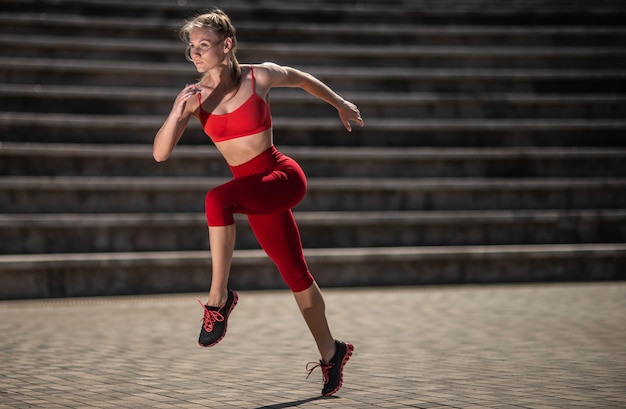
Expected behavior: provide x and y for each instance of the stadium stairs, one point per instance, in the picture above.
(493, 151)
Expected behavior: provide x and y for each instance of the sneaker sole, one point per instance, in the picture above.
(346, 357)
(232, 307)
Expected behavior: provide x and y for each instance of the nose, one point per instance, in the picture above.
(190, 53)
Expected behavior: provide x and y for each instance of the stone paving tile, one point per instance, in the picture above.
(516, 346)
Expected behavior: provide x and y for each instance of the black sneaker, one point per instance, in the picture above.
(332, 372)
(215, 321)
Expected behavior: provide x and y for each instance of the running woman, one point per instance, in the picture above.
(231, 102)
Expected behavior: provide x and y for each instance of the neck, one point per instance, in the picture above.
(222, 75)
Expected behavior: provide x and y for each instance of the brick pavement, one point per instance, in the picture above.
(517, 346)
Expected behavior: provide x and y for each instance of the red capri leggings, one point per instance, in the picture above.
(265, 189)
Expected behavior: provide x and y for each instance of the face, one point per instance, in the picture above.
(206, 49)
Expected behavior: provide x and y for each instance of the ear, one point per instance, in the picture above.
(228, 44)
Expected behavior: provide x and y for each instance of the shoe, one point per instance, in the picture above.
(215, 320)
(332, 372)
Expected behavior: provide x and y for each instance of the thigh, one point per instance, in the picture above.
(275, 192)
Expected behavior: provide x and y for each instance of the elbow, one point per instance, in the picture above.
(159, 156)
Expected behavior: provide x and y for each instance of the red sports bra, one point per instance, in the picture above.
(251, 117)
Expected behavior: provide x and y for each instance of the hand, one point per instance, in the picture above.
(348, 112)
(182, 97)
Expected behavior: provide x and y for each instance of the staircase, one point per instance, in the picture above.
(493, 150)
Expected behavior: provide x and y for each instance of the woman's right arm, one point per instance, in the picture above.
(172, 129)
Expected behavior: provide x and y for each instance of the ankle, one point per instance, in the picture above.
(329, 352)
(217, 299)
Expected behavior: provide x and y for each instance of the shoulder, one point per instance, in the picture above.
(268, 73)
(267, 67)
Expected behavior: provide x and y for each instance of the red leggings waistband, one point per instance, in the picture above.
(262, 163)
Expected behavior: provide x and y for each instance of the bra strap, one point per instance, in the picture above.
(252, 72)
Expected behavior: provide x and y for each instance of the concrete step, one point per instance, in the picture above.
(325, 131)
(129, 232)
(41, 159)
(178, 194)
(431, 12)
(285, 102)
(304, 32)
(340, 54)
(47, 71)
(64, 275)
(428, 56)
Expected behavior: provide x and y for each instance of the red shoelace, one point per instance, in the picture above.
(323, 366)
(210, 316)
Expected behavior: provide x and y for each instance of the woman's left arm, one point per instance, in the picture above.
(274, 75)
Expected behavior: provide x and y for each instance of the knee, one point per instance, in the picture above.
(216, 209)
(298, 280)
(301, 284)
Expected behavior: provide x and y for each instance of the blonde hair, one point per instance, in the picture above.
(218, 22)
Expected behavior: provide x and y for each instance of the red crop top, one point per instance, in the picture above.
(251, 117)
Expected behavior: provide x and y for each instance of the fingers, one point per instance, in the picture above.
(187, 92)
(353, 115)
(357, 120)
(191, 89)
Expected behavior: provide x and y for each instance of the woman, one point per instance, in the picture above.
(231, 103)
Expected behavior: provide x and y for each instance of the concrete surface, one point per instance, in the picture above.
(501, 346)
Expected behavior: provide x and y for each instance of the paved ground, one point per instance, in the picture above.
(519, 346)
